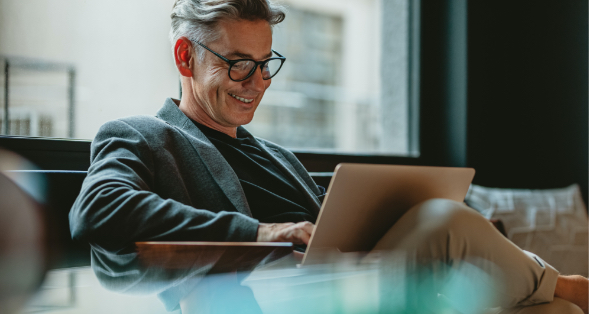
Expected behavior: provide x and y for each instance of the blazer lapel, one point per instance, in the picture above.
(220, 170)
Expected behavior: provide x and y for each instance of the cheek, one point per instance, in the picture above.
(215, 86)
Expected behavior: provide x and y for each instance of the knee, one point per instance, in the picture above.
(443, 216)
(446, 211)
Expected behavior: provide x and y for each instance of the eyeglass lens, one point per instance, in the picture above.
(242, 69)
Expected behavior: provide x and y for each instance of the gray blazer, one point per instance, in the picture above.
(160, 179)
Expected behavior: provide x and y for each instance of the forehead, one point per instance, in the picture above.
(243, 38)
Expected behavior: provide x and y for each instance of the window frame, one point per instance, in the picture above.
(11, 63)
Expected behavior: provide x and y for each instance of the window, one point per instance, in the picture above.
(37, 97)
(347, 86)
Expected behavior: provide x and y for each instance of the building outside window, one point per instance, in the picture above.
(345, 87)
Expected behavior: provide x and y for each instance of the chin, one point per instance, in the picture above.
(240, 119)
(243, 118)
(245, 121)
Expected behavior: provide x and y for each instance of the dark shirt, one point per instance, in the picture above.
(271, 196)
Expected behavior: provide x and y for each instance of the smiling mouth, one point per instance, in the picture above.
(247, 101)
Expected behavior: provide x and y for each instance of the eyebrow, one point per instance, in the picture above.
(242, 55)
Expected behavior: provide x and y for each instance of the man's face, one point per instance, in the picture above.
(214, 91)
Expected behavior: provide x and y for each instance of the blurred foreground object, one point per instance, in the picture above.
(226, 256)
(22, 233)
(550, 223)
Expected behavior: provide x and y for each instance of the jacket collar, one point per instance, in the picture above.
(219, 169)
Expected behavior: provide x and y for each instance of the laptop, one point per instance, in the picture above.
(364, 200)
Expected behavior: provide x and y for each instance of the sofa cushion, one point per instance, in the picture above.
(550, 223)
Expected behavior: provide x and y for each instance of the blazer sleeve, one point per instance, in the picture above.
(117, 205)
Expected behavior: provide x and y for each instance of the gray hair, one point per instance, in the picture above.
(197, 19)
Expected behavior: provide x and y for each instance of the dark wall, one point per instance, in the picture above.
(443, 83)
(527, 93)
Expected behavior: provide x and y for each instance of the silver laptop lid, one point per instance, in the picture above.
(364, 200)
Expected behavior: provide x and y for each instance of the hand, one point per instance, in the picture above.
(299, 233)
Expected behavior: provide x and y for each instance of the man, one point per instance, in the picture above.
(194, 173)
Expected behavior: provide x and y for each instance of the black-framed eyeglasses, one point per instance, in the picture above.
(242, 69)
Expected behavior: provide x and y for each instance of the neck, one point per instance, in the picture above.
(189, 106)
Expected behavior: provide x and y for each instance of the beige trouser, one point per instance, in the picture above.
(447, 238)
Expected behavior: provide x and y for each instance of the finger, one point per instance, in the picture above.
(303, 236)
(308, 227)
(298, 233)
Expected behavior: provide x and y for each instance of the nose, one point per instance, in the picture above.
(256, 82)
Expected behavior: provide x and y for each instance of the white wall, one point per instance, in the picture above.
(120, 49)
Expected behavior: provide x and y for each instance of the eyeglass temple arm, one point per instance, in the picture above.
(216, 54)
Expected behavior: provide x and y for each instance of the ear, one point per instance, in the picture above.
(183, 56)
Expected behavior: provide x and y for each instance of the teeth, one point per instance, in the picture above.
(247, 101)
